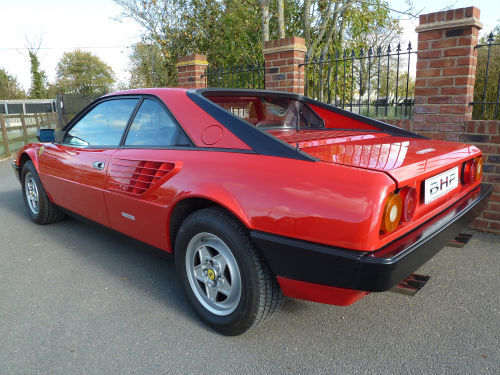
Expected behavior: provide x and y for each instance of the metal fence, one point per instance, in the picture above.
(376, 83)
(487, 86)
(249, 76)
(25, 106)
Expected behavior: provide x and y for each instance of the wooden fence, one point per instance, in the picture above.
(20, 129)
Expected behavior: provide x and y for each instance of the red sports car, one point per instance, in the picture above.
(258, 194)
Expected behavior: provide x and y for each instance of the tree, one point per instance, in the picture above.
(331, 23)
(232, 32)
(10, 87)
(38, 88)
(265, 17)
(147, 67)
(227, 31)
(83, 73)
(281, 18)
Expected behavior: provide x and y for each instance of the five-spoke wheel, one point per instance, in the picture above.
(38, 204)
(225, 278)
(213, 273)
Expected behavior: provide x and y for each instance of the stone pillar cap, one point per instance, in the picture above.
(453, 24)
(194, 59)
(293, 43)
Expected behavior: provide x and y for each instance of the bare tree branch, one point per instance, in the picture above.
(264, 6)
(281, 18)
(307, 21)
(333, 30)
(324, 23)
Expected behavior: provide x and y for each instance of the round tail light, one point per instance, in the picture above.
(392, 213)
(470, 171)
(409, 198)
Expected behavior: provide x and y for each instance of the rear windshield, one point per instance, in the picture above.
(270, 112)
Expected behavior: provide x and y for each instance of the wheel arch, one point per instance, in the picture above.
(30, 153)
(23, 158)
(186, 206)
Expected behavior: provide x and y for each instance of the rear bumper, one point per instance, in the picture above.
(374, 271)
(16, 169)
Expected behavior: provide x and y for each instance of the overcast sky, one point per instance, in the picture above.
(91, 25)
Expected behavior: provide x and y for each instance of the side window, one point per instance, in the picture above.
(103, 125)
(153, 126)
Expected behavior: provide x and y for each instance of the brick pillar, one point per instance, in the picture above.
(282, 58)
(189, 71)
(446, 68)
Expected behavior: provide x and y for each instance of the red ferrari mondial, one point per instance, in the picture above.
(258, 194)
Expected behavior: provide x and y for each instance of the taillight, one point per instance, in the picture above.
(409, 198)
(392, 213)
(473, 170)
(479, 168)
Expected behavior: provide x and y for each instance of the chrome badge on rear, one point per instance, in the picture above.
(425, 151)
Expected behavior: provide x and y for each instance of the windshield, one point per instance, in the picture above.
(270, 112)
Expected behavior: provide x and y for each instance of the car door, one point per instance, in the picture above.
(74, 171)
(137, 195)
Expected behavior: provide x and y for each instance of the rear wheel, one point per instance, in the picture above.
(226, 279)
(38, 205)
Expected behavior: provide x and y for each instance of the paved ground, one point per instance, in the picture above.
(75, 299)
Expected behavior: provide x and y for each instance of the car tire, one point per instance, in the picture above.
(224, 276)
(38, 204)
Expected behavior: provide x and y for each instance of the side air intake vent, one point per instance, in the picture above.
(136, 176)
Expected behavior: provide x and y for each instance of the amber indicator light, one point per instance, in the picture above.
(479, 168)
(392, 213)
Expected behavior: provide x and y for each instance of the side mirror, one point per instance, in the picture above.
(45, 135)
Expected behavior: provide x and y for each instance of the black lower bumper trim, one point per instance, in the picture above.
(374, 271)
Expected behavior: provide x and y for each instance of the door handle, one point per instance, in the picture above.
(98, 165)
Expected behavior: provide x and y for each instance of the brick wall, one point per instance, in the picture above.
(486, 135)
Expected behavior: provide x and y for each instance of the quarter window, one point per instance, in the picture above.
(104, 125)
(153, 126)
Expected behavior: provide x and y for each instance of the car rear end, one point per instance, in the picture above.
(430, 175)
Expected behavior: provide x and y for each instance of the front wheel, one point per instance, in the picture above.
(38, 204)
(226, 279)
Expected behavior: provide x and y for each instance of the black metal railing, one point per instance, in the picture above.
(239, 76)
(376, 83)
(487, 86)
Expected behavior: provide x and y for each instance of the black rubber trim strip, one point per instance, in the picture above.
(260, 141)
(187, 148)
(374, 271)
(388, 128)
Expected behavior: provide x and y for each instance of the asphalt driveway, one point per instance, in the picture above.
(79, 299)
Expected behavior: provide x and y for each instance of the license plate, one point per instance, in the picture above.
(441, 184)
